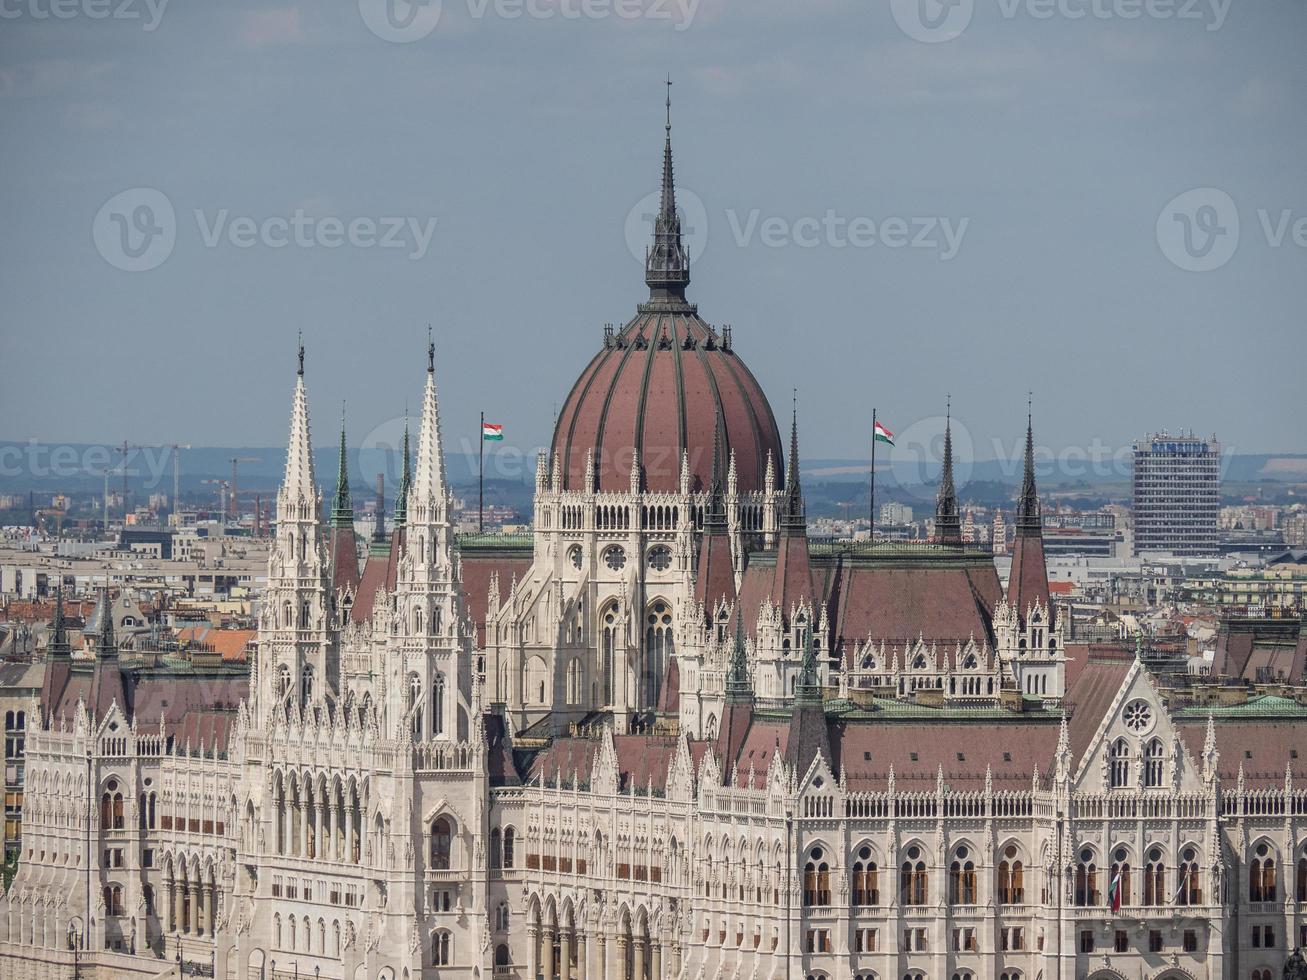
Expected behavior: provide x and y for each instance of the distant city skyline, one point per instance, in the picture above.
(883, 221)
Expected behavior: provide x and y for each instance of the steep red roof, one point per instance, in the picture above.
(1028, 580)
(478, 568)
(895, 602)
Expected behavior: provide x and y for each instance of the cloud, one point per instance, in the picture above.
(260, 28)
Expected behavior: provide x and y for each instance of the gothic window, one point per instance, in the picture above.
(913, 880)
(1138, 716)
(609, 639)
(304, 615)
(283, 681)
(1011, 878)
(575, 681)
(574, 556)
(1153, 753)
(442, 836)
(1155, 879)
(615, 558)
(962, 880)
(496, 849)
(659, 648)
(660, 558)
(1086, 889)
(1121, 875)
(502, 917)
(306, 684)
(1261, 876)
(1189, 888)
(866, 879)
(417, 620)
(816, 880)
(437, 703)
(1118, 764)
(414, 698)
(440, 948)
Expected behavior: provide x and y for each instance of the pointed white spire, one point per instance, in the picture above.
(428, 495)
(300, 484)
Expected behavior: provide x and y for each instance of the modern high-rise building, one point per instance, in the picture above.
(1177, 494)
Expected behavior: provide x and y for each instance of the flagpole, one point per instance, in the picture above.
(871, 528)
(481, 476)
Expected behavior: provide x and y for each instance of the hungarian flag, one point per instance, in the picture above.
(882, 434)
(491, 432)
(1114, 892)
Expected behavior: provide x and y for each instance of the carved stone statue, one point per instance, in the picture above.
(1295, 967)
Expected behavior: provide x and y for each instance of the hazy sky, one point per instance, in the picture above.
(890, 214)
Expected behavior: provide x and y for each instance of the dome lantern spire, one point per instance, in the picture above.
(667, 267)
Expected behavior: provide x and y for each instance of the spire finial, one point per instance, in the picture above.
(793, 514)
(342, 510)
(1028, 504)
(948, 525)
(431, 352)
(300, 372)
(667, 267)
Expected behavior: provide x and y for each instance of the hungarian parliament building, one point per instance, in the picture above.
(665, 735)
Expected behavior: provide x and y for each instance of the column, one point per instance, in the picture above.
(304, 826)
(582, 954)
(656, 957)
(213, 908)
(178, 919)
(565, 954)
(640, 944)
(198, 918)
(618, 971)
(532, 952)
(547, 952)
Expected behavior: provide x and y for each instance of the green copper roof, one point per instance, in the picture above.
(342, 510)
(1260, 706)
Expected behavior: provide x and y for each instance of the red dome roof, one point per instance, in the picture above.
(659, 387)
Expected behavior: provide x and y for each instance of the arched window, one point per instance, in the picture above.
(441, 841)
(1261, 876)
(438, 703)
(501, 958)
(1189, 886)
(496, 849)
(913, 880)
(1118, 763)
(414, 698)
(866, 879)
(1121, 878)
(1086, 890)
(659, 648)
(1011, 878)
(440, 948)
(1155, 878)
(609, 645)
(276, 929)
(306, 684)
(816, 879)
(962, 879)
(502, 917)
(509, 836)
(1153, 754)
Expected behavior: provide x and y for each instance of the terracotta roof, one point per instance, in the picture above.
(478, 567)
(232, 645)
(1087, 700)
(938, 599)
(661, 399)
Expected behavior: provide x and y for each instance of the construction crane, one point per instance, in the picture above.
(235, 492)
(127, 448)
(222, 496)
